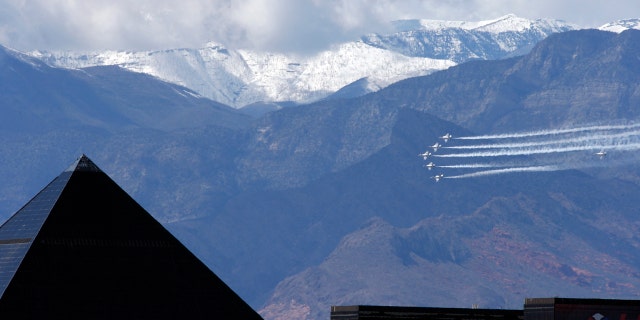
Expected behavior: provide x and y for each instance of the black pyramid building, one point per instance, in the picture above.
(84, 249)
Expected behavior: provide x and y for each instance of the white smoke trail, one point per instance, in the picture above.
(554, 146)
(546, 150)
(506, 170)
(551, 132)
(474, 166)
(591, 139)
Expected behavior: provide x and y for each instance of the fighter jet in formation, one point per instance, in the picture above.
(425, 155)
(430, 165)
(601, 154)
(446, 137)
(437, 177)
(435, 147)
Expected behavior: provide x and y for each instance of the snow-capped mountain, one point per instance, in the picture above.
(461, 40)
(621, 25)
(243, 77)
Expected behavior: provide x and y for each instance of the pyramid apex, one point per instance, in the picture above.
(83, 239)
(83, 163)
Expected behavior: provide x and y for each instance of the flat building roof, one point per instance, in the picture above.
(364, 312)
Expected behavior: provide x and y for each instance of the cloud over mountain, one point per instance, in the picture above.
(285, 26)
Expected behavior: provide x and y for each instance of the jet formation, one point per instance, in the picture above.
(446, 137)
(425, 155)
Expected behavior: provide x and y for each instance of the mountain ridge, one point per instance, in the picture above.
(242, 77)
(462, 41)
(549, 79)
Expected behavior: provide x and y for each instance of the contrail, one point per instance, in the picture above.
(543, 149)
(532, 151)
(550, 132)
(597, 138)
(473, 166)
(507, 170)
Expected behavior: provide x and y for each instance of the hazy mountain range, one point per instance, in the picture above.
(328, 203)
(243, 77)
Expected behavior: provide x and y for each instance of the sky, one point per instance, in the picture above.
(292, 26)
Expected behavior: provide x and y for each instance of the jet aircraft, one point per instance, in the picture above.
(424, 155)
(430, 165)
(446, 137)
(435, 146)
(437, 177)
(601, 154)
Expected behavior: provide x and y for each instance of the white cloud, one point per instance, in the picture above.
(278, 25)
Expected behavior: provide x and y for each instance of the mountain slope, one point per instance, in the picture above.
(288, 228)
(48, 115)
(92, 96)
(530, 244)
(573, 77)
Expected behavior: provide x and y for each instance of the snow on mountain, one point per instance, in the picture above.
(212, 71)
(621, 25)
(243, 77)
(512, 23)
(328, 71)
(462, 40)
(507, 23)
